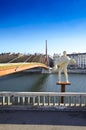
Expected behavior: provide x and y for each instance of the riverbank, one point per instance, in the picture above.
(77, 71)
(74, 71)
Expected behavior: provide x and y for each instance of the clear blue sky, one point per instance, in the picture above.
(26, 24)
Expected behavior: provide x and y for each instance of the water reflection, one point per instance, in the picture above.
(23, 82)
(38, 85)
(27, 82)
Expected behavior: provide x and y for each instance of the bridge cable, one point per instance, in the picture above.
(41, 58)
(23, 62)
(14, 59)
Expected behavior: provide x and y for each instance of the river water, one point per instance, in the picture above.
(34, 82)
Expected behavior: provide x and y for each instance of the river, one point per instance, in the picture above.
(34, 82)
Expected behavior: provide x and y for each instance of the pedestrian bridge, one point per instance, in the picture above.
(9, 68)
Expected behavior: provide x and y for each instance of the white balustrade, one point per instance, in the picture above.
(43, 98)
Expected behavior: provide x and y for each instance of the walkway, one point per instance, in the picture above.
(42, 120)
(6, 69)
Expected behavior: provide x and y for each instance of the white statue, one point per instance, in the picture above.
(61, 63)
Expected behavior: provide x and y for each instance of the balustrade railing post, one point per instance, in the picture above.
(12, 99)
(38, 100)
(33, 100)
(28, 100)
(43, 100)
(48, 100)
(54, 101)
(59, 100)
(8, 100)
(18, 99)
(80, 101)
(69, 100)
(74, 101)
(3, 100)
(85, 100)
(23, 100)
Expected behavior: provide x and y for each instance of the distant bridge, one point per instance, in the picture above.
(12, 63)
(10, 68)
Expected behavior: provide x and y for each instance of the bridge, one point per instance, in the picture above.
(21, 63)
(10, 68)
(13, 63)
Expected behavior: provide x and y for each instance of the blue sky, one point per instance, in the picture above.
(26, 24)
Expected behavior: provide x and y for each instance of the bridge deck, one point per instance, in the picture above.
(16, 67)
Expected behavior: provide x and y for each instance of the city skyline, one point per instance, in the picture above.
(26, 24)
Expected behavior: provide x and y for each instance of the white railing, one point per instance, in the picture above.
(68, 99)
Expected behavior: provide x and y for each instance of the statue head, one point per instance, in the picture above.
(64, 53)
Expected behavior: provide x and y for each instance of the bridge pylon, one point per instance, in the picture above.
(46, 57)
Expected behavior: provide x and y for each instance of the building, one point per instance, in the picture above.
(80, 59)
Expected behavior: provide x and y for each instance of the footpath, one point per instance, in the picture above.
(42, 120)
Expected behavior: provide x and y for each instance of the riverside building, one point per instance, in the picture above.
(80, 59)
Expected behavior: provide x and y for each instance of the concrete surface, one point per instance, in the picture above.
(42, 120)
